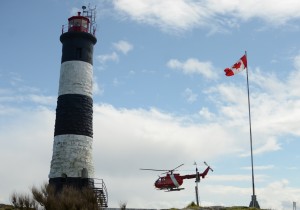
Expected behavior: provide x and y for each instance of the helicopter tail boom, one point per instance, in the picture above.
(192, 176)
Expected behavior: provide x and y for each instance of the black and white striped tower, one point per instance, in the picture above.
(72, 162)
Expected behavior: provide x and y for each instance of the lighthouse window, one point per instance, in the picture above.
(84, 23)
(71, 23)
(78, 52)
(77, 22)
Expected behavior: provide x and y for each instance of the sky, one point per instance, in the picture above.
(161, 98)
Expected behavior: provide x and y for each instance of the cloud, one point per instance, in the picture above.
(14, 78)
(274, 12)
(193, 66)
(108, 57)
(218, 15)
(269, 145)
(280, 188)
(44, 100)
(266, 167)
(148, 128)
(17, 92)
(97, 89)
(26, 139)
(168, 14)
(273, 102)
(236, 178)
(189, 95)
(116, 82)
(204, 112)
(123, 46)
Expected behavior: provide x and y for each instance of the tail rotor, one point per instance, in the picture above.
(208, 166)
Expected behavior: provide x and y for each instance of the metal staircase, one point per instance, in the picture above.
(100, 191)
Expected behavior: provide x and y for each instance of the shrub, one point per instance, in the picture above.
(192, 205)
(22, 202)
(122, 205)
(46, 198)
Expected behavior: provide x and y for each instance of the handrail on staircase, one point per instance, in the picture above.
(103, 187)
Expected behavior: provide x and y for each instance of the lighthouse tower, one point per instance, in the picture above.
(72, 162)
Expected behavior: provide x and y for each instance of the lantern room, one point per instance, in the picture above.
(78, 23)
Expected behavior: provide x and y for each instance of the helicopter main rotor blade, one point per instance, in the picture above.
(177, 167)
(166, 170)
(149, 169)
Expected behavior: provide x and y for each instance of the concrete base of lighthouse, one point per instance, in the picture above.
(75, 182)
(97, 185)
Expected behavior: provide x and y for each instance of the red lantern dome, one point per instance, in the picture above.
(78, 23)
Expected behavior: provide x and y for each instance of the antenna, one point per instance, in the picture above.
(90, 13)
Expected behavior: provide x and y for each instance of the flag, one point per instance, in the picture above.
(239, 66)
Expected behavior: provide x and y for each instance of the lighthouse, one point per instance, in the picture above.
(72, 161)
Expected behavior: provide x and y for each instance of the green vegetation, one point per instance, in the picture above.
(190, 206)
(123, 205)
(6, 207)
(70, 199)
(194, 206)
(46, 198)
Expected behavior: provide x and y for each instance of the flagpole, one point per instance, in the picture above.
(253, 202)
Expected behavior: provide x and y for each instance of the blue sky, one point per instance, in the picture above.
(161, 97)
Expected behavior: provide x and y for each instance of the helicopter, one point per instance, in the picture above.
(172, 181)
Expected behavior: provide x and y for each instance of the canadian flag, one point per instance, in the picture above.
(239, 66)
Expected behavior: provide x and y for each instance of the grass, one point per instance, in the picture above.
(10, 207)
(191, 206)
(47, 198)
(6, 207)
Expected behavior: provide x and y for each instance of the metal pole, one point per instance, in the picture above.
(196, 187)
(253, 202)
(197, 195)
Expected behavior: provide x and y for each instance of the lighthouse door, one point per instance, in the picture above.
(84, 173)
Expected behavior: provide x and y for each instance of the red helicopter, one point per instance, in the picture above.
(172, 181)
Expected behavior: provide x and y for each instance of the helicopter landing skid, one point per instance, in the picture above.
(174, 189)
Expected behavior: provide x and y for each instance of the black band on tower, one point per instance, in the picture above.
(74, 115)
(76, 182)
(77, 46)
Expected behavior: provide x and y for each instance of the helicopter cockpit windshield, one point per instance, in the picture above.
(160, 179)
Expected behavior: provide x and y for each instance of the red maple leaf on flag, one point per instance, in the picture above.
(237, 65)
